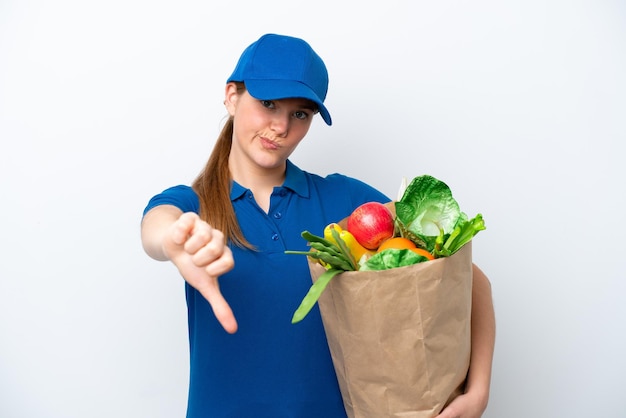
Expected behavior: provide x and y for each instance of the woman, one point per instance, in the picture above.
(246, 208)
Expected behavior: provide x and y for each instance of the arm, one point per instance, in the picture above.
(473, 402)
(196, 249)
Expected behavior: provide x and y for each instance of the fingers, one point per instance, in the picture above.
(182, 228)
(463, 406)
(208, 257)
(221, 265)
(206, 245)
(198, 239)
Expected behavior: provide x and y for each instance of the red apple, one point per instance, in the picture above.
(371, 224)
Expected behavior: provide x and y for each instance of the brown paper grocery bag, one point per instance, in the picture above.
(400, 338)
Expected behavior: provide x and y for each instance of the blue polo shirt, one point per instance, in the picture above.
(270, 368)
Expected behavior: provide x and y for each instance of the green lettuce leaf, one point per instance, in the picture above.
(463, 233)
(392, 258)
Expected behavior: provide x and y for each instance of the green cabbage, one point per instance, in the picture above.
(429, 215)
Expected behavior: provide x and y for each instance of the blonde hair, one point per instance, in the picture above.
(213, 186)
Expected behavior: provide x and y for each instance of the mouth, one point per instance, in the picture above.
(268, 143)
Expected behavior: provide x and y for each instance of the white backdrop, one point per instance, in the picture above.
(518, 105)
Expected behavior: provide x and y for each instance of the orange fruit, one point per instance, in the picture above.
(399, 243)
(423, 252)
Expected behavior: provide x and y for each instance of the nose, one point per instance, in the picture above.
(280, 123)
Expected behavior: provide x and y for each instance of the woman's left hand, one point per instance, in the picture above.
(464, 406)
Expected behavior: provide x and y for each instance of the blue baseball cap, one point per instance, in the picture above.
(283, 67)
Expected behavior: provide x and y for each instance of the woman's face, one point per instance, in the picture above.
(265, 132)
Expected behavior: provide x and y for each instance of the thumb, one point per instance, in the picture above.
(224, 314)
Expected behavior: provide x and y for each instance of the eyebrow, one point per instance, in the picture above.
(310, 106)
(302, 103)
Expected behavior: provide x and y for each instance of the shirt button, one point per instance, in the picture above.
(275, 237)
(278, 215)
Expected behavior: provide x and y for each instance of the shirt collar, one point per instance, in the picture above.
(295, 180)
(236, 191)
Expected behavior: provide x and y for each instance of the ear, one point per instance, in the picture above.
(230, 98)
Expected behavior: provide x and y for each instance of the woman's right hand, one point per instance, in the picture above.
(198, 251)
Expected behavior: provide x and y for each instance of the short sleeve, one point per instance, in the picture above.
(183, 197)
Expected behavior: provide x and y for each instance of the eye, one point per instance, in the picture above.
(301, 114)
(268, 104)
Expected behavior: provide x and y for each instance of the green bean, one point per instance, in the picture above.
(336, 262)
(321, 247)
(344, 249)
(314, 238)
(339, 246)
(313, 295)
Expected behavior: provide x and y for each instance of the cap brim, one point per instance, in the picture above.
(286, 89)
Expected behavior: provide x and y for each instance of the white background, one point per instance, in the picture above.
(518, 105)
